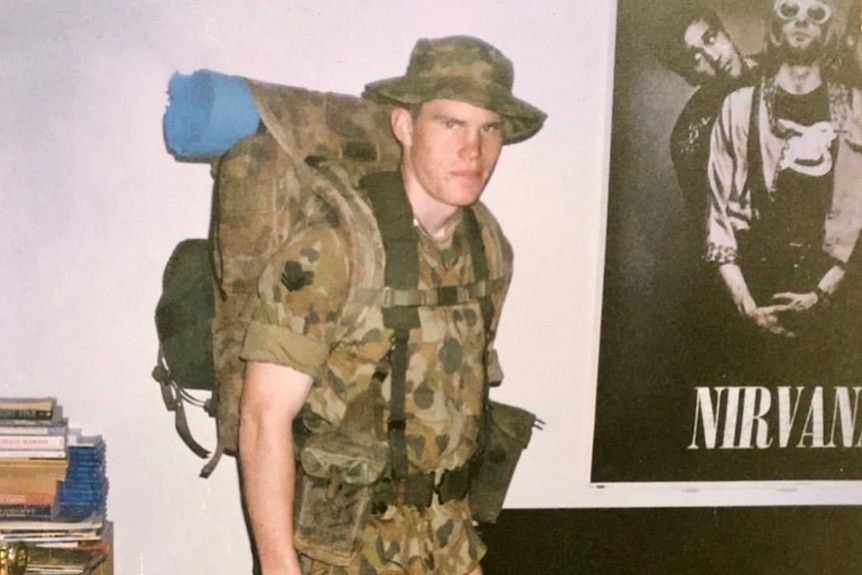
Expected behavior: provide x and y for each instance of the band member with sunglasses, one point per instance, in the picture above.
(785, 171)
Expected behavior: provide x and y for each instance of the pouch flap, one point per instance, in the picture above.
(358, 458)
(514, 422)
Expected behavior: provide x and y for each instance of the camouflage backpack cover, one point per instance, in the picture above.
(263, 186)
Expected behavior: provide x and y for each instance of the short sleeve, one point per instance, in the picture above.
(300, 295)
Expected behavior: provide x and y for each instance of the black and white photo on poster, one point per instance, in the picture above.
(731, 329)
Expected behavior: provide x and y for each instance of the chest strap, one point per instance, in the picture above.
(442, 296)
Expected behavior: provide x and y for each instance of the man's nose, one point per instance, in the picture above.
(802, 19)
(713, 56)
(471, 146)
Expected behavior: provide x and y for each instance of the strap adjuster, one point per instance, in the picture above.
(387, 296)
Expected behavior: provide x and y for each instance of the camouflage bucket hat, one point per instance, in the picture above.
(465, 69)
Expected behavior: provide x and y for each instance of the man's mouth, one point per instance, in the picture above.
(800, 37)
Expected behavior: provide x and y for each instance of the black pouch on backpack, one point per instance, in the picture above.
(183, 315)
(183, 322)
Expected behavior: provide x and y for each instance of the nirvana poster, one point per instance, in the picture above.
(731, 334)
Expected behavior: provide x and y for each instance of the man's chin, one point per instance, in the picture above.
(802, 55)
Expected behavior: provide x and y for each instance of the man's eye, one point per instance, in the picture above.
(788, 10)
(710, 38)
(818, 14)
(492, 128)
(450, 124)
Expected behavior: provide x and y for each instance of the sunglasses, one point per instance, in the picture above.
(814, 12)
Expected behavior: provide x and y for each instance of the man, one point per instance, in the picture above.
(786, 204)
(695, 44)
(453, 112)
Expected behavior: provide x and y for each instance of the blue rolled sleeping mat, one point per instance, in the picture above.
(207, 113)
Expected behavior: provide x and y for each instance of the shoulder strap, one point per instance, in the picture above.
(480, 266)
(395, 219)
(754, 181)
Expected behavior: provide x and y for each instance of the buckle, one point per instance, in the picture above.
(387, 297)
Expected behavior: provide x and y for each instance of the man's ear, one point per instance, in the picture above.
(402, 125)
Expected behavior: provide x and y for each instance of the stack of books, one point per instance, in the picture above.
(33, 461)
(59, 547)
(84, 491)
(53, 488)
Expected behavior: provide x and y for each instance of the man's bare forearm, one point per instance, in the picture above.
(734, 281)
(271, 399)
(268, 475)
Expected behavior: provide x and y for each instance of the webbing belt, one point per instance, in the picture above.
(419, 488)
(400, 243)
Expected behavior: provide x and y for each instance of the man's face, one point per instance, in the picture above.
(802, 30)
(713, 53)
(450, 150)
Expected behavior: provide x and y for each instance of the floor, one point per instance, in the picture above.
(703, 541)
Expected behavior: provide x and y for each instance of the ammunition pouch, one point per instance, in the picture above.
(506, 433)
(333, 493)
(418, 489)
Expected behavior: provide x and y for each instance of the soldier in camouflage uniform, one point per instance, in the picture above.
(453, 112)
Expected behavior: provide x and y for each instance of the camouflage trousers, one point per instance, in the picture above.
(404, 540)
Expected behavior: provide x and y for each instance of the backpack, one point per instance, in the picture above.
(263, 186)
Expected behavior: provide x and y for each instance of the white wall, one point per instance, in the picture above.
(92, 206)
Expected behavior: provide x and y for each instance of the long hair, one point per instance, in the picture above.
(845, 67)
(669, 36)
(834, 33)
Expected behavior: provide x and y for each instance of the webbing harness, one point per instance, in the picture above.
(400, 300)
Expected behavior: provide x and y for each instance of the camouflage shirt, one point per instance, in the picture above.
(301, 293)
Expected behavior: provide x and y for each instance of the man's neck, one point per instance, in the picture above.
(436, 223)
(799, 79)
(437, 219)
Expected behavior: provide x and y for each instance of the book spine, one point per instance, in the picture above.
(16, 511)
(27, 499)
(32, 454)
(25, 413)
(32, 429)
(19, 464)
(8, 442)
(27, 402)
